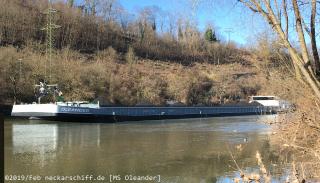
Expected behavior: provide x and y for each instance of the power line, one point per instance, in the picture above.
(49, 28)
(229, 31)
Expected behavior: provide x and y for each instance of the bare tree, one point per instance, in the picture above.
(271, 12)
(91, 7)
(107, 8)
(147, 21)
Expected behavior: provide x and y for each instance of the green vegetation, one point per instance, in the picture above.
(210, 35)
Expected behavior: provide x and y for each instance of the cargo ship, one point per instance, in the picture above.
(87, 112)
(82, 111)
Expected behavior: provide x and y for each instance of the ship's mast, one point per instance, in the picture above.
(49, 28)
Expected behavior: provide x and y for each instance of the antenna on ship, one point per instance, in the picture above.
(49, 28)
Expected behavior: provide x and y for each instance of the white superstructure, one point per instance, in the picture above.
(270, 101)
(52, 109)
(34, 110)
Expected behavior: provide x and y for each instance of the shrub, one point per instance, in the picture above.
(130, 56)
(200, 91)
(108, 54)
(152, 90)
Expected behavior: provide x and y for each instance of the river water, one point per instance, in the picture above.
(184, 150)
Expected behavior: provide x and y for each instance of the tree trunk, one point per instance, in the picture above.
(308, 77)
(303, 45)
(316, 61)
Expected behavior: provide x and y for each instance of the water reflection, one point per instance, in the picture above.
(39, 138)
(190, 150)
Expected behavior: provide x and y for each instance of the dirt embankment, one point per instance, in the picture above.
(125, 79)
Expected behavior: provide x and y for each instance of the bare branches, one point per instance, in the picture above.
(306, 28)
(286, 18)
(249, 5)
(278, 11)
(264, 8)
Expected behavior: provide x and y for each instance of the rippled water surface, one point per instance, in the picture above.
(185, 150)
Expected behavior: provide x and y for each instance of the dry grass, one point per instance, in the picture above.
(297, 137)
(107, 75)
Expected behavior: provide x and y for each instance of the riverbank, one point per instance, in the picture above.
(299, 134)
(296, 136)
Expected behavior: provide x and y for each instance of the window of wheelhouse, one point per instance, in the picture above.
(263, 98)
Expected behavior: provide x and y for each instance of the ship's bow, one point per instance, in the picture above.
(34, 110)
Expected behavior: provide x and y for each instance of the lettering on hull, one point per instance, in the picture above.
(72, 109)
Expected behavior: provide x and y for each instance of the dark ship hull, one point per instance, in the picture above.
(115, 114)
